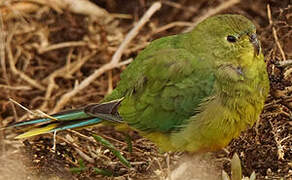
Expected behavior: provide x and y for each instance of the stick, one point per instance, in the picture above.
(2, 49)
(224, 5)
(23, 107)
(66, 97)
(130, 36)
(61, 45)
(275, 32)
(15, 71)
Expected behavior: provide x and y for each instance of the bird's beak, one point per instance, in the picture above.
(255, 42)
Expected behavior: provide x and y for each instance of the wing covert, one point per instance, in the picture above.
(170, 86)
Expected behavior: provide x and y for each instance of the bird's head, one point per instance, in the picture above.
(227, 33)
(227, 40)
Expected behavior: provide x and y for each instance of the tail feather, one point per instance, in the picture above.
(37, 131)
(63, 116)
(78, 124)
(30, 122)
(65, 120)
(72, 119)
(58, 126)
(71, 115)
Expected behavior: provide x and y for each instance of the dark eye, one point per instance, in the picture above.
(231, 39)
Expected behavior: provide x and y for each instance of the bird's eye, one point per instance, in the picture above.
(231, 39)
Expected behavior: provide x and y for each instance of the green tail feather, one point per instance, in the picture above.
(78, 118)
(59, 126)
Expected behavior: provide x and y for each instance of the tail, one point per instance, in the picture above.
(88, 116)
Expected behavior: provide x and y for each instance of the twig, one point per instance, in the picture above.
(287, 73)
(67, 70)
(81, 7)
(77, 6)
(61, 45)
(275, 32)
(77, 149)
(26, 109)
(2, 49)
(4, 71)
(15, 88)
(90, 139)
(135, 48)
(11, 59)
(280, 148)
(37, 113)
(68, 60)
(54, 141)
(116, 57)
(84, 156)
(224, 5)
(110, 82)
(179, 6)
(171, 25)
(10, 11)
(66, 97)
(114, 63)
(284, 63)
(2, 59)
(122, 16)
(159, 164)
(168, 166)
(42, 114)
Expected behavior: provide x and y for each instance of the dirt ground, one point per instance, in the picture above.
(49, 50)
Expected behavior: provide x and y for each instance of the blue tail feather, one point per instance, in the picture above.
(77, 124)
(29, 122)
(71, 119)
(65, 116)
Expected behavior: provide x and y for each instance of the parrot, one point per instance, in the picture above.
(191, 92)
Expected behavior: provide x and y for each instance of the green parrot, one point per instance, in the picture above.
(190, 92)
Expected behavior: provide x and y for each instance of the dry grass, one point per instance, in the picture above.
(61, 57)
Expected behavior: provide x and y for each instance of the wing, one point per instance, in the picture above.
(162, 89)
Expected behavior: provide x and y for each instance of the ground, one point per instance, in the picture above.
(48, 50)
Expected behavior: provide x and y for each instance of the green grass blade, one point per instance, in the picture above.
(128, 139)
(113, 149)
(79, 169)
(103, 172)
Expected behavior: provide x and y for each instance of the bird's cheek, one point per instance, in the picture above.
(231, 73)
(247, 55)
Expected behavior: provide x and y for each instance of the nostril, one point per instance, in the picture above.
(239, 70)
(253, 37)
